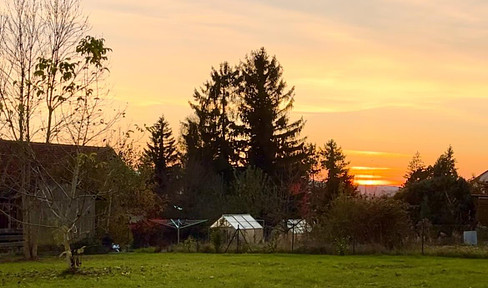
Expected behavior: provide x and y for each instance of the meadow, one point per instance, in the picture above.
(248, 270)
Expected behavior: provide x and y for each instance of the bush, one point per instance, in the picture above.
(461, 251)
(217, 238)
(207, 248)
(190, 244)
(352, 221)
(146, 250)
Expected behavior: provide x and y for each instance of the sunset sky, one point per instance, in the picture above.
(384, 78)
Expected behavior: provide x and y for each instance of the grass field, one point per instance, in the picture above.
(249, 270)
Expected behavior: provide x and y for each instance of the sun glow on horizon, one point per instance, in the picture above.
(372, 176)
(373, 182)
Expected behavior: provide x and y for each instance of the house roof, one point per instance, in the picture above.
(49, 154)
(237, 221)
(51, 157)
(483, 177)
(53, 149)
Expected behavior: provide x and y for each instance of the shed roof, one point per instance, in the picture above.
(237, 221)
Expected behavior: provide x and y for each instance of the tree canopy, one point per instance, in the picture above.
(437, 192)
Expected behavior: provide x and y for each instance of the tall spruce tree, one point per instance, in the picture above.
(338, 181)
(272, 140)
(338, 178)
(209, 142)
(214, 122)
(161, 154)
(241, 119)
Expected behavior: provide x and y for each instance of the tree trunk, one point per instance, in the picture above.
(67, 250)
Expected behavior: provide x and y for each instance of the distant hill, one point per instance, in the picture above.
(378, 190)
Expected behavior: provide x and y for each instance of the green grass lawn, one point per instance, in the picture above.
(249, 270)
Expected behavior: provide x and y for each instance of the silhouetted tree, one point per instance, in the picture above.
(439, 194)
(214, 121)
(241, 124)
(161, 154)
(416, 170)
(272, 140)
(338, 180)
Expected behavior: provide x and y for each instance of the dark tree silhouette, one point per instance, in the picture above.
(438, 194)
(338, 181)
(273, 142)
(241, 123)
(161, 154)
(338, 178)
(214, 109)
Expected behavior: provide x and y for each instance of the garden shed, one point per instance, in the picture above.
(243, 226)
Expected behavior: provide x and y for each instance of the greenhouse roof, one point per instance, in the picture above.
(237, 221)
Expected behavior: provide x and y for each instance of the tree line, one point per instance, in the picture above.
(239, 151)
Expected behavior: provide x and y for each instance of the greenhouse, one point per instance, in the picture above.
(240, 227)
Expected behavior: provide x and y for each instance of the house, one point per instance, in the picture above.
(480, 184)
(241, 226)
(483, 177)
(36, 191)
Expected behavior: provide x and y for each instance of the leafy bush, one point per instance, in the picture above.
(190, 244)
(342, 245)
(217, 237)
(351, 221)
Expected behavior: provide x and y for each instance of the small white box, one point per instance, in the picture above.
(470, 238)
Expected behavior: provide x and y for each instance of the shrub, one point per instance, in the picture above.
(217, 237)
(207, 248)
(146, 250)
(351, 221)
(190, 244)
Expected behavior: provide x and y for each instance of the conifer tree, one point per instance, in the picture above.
(161, 154)
(439, 194)
(272, 140)
(338, 181)
(214, 110)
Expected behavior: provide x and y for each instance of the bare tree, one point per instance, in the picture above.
(47, 62)
(59, 73)
(50, 72)
(20, 46)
